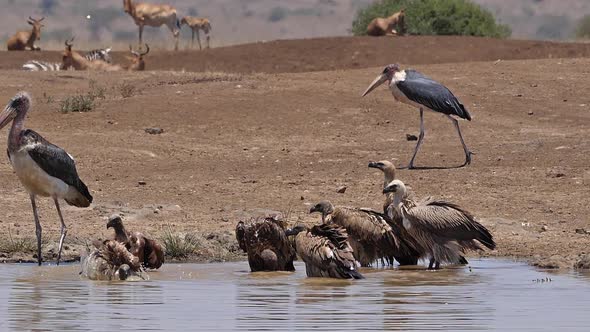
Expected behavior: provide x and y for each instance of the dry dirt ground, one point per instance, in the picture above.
(237, 144)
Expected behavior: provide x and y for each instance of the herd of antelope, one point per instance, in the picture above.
(143, 14)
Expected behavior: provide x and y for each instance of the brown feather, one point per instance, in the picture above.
(267, 245)
(327, 253)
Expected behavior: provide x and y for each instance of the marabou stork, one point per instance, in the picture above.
(413, 88)
(43, 168)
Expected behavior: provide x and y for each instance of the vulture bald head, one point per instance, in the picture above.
(396, 187)
(324, 207)
(115, 222)
(386, 167)
(295, 230)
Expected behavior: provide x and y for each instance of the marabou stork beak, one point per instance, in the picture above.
(378, 81)
(7, 115)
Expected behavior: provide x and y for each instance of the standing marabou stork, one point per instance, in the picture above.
(43, 168)
(412, 88)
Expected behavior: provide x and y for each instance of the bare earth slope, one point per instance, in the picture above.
(321, 54)
(236, 145)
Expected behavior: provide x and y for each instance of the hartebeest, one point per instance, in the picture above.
(137, 62)
(79, 62)
(153, 15)
(23, 39)
(73, 59)
(385, 26)
(196, 24)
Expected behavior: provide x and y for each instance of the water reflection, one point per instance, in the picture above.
(494, 295)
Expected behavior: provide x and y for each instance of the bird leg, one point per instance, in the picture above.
(64, 229)
(37, 229)
(467, 152)
(420, 138)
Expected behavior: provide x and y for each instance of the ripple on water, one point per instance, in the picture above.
(494, 295)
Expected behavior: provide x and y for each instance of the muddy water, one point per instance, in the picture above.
(493, 295)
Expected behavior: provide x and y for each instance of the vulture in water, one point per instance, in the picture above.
(388, 170)
(326, 252)
(267, 245)
(149, 252)
(443, 228)
(369, 233)
(110, 260)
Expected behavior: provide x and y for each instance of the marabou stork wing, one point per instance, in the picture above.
(432, 94)
(57, 163)
(449, 221)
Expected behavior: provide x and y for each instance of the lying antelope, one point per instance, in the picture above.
(385, 26)
(97, 54)
(73, 59)
(137, 62)
(153, 15)
(23, 39)
(196, 24)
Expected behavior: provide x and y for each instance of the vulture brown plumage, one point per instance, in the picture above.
(444, 229)
(110, 260)
(267, 245)
(326, 252)
(369, 233)
(149, 251)
(388, 170)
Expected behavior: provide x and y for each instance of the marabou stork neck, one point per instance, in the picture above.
(412, 88)
(43, 168)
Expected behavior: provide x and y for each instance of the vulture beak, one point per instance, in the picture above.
(378, 81)
(7, 115)
(390, 189)
(374, 164)
(313, 209)
(124, 271)
(294, 231)
(112, 222)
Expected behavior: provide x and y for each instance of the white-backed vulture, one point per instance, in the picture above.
(326, 252)
(149, 251)
(110, 260)
(267, 245)
(369, 233)
(444, 228)
(388, 170)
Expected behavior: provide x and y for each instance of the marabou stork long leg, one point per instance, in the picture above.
(64, 229)
(467, 152)
(420, 138)
(37, 229)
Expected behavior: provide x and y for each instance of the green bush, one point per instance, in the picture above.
(435, 17)
(583, 27)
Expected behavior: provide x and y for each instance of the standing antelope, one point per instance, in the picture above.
(384, 26)
(23, 39)
(153, 15)
(196, 24)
